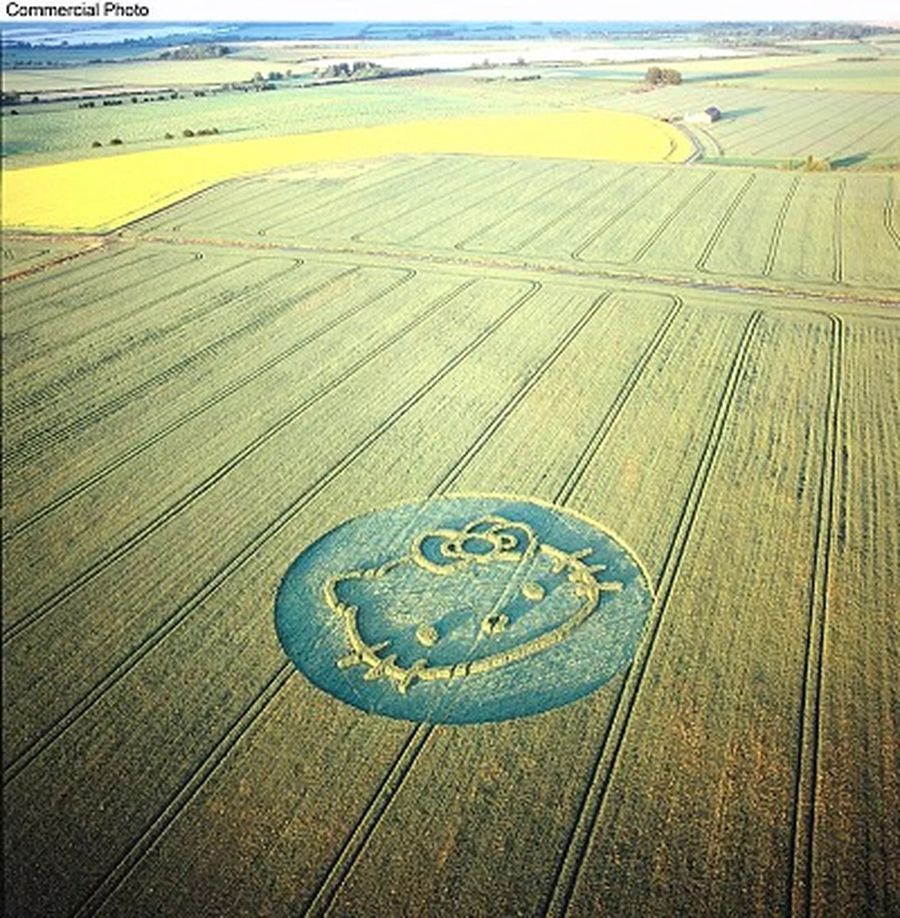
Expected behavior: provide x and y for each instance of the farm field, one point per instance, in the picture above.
(840, 74)
(779, 125)
(196, 400)
(57, 131)
(254, 660)
(820, 71)
(97, 194)
(777, 120)
(828, 230)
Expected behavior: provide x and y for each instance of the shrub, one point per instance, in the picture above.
(811, 164)
(657, 75)
(116, 142)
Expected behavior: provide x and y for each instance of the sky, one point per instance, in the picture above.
(520, 10)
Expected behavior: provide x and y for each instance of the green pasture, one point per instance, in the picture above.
(59, 131)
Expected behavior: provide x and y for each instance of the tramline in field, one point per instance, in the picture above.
(802, 228)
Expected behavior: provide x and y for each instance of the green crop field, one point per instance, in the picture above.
(779, 125)
(818, 230)
(56, 131)
(695, 364)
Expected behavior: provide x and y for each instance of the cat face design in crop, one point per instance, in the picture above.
(462, 608)
(463, 602)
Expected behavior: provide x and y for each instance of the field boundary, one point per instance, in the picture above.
(144, 256)
(592, 271)
(143, 181)
(29, 270)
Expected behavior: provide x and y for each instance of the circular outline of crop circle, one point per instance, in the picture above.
(323, 632)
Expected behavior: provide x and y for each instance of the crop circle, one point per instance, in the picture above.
(462, 609)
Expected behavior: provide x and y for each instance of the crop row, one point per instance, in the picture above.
(814, 118)
(346, 197)
(776, 132)
(855, 126)
(480, 316)
(766, 120)
(99, 311)
(64, 401)
(109, 438)
(853, 797)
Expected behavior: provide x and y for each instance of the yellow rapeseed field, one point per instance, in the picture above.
(98, 194)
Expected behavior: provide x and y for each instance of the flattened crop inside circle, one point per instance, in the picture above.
(462, 609)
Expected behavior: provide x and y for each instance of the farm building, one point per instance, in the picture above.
(707, 116)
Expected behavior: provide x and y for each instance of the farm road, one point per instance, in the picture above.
(513, 265)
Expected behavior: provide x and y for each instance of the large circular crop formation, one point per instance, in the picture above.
(463, 609)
